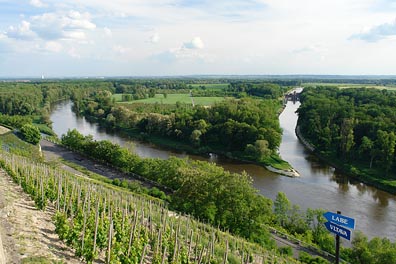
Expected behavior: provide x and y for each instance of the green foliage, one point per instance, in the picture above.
(200, 188)
(227, 126)
(262, 89)
(353, 125)
(375, 251)
(15, 121)
(282, 206)
(288, 251)
(30, 133)
(306, 258)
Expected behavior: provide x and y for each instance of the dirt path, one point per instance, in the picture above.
(53, 152)
(28, 234)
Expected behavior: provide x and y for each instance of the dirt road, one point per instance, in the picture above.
(53, 152)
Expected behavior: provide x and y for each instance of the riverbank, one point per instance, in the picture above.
(290, 172)
(352, 171)
(274, 163)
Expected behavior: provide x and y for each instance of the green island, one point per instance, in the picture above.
(237, 119)
(198, 212)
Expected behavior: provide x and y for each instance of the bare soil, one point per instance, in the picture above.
(26, 233)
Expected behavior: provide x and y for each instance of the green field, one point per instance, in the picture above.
(211, 86)
(173, 99)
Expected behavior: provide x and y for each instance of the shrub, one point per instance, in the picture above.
(30, 134)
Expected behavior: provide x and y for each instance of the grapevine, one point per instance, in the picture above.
(116, 226)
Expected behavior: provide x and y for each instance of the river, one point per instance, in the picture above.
(319, 186)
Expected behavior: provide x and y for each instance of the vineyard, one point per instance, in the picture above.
(106, 224)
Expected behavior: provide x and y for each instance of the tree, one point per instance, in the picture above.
(346, 136)
(282, 207)
(195, 137)
(386, 142)
(30, 134)
(262, 148)
(151, 93)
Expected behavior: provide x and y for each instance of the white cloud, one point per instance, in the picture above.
(121, 50)
(107, 31)
(376, 33)
(53, 46)
(154, 38)
(77, 20)
(195, 43)
(74, 53)
(22, 31)
(53, 26)
(37, 3)
(76, 35)
(310, 49)
(181, 55)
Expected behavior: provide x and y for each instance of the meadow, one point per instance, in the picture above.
(173, 99)
(211, 86)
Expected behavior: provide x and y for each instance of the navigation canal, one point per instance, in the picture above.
(319, 186)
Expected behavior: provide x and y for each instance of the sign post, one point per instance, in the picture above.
(339, 219)
(338, 245)
(338, 224)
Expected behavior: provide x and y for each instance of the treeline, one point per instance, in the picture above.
(266, 89)
(34, 99)
(355, 125)
(246, 127)
(262, 89)
(202, 189)
(350, 80)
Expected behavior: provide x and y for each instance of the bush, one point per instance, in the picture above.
(306, 258)
(288, 251)
(30, 134)
(155, 192)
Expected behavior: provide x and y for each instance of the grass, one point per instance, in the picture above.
(39, 260)
(276, 162)
(174, 98)
(13, 144)
(45, 129)
(211, 86)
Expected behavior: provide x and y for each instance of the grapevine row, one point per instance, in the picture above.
(103, 222)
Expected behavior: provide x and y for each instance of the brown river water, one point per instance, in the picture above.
(319, 186)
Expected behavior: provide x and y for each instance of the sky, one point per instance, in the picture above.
(194, 37)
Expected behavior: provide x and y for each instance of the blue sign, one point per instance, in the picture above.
(338, 230)
(341, 220)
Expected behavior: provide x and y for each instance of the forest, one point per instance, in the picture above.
(355, 127)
